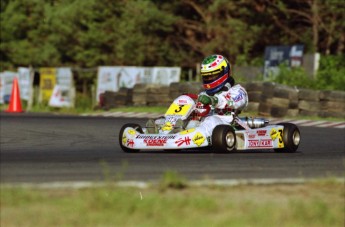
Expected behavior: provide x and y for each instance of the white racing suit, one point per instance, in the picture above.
(235, 98)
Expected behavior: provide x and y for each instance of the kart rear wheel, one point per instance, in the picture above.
(223, 139)
(291, 138)
(132, 125)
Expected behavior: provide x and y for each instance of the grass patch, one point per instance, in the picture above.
(172, 179)
(309, 204)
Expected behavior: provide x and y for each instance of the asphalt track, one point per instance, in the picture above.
(48, 148)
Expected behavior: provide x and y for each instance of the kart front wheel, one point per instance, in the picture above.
(132, 125)
(223, 139)
(291, 138)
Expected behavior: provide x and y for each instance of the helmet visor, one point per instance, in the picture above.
(210, 76)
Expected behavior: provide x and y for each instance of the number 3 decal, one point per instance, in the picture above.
(179, 109)
(280, 138)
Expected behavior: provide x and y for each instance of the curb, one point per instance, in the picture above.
(306, 123)
(197, 183)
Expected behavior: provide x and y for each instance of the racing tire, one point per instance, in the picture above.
(137, 128)
(223, 139)
(291, 138)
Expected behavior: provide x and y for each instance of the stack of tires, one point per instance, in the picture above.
(284, 101)
(174, 91)
(157, 95)
(139, 95)
(309, 102)
(265, 105)
(112, 99)
(332, 104)
(254, 90)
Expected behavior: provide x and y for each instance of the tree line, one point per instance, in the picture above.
(90, 33)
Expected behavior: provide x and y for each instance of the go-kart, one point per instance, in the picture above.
(179, 129)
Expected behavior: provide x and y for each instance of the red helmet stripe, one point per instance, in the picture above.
(216, 82)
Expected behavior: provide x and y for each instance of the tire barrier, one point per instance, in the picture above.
(265, 98)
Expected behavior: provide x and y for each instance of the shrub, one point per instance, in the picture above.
(330, 75)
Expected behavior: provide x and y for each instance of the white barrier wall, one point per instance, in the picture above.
(112, 78)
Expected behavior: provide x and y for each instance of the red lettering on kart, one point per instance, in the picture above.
(266, 143)
(261, 132)
(260, 143)
(251, 136)
(155, 142)
(253, 143)
(130, 143)
(181, 141)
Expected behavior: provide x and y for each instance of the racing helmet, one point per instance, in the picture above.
(215, 73)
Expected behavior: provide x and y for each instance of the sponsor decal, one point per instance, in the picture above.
(274, 134)
(131, 132)
(158, 137)
(187, 131)
(124, 140)
(130, 143)
(261, 132)
(181, 141)
(167, 127)
(251, 136)
(182, 101)
(155, 142)
(260, 143)
(199, 139)
(239, 97)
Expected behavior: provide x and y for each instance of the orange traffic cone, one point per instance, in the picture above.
(15, 104)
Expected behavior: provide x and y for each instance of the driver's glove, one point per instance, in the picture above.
(208, 100)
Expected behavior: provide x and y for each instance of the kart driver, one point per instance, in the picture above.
(220, 92)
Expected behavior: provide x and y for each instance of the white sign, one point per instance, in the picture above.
(112, 78)
(165, 75)
(63, 92)
(6, 81)
(25, 83)
(60, 98)
(106, 80)
(64, 77)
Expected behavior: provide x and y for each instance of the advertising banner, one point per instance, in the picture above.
(165, 75)
(112, 78)
(6, 80)
(292, 56)
(63, 93)
(106, 80)
(129, 76)
(47, 83)
(25, 82)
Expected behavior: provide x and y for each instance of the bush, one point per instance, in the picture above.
(293, 77)
(330, 75)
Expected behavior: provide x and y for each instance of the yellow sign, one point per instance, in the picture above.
(47, 83)
(198, 139)
(274, 134)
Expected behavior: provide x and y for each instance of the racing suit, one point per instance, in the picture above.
(229, 100)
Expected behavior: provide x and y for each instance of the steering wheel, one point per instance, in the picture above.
(202, 110)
